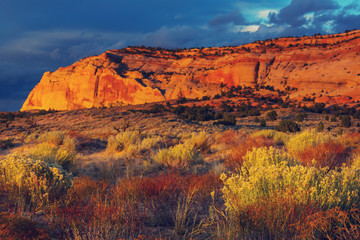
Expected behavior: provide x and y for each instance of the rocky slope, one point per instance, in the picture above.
(325, 67)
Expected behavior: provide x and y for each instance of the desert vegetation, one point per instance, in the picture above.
(181, 171)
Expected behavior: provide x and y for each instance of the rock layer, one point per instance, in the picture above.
(327, 67)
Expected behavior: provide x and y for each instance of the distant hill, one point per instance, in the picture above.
(326, 68)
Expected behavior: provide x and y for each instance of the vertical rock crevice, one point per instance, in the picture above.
(268, 67)
(96, 88)
(256, 75)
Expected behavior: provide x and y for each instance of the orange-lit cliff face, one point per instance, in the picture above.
(327, 67)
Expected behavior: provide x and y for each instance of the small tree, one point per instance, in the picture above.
(320, 127)
(181, 100)
(287, 126)
(217, 96)
(228, 120)
(346, 121)
(300, 117)
(204, 98)
(272, 115)
(262, 123)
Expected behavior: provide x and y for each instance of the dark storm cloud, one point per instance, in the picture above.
(326, 16)
(294, 13)
(234, 17)
(347, 21)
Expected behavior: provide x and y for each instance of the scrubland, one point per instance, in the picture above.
(108, 174)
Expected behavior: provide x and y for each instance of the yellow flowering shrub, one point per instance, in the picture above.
(267, 170)
(34, 182)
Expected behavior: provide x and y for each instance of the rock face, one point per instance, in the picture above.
(327, 67)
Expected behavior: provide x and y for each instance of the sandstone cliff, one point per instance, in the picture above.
(327, 67)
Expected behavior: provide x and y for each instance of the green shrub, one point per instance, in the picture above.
(227, 120)
(217, 96)
(300, 117)
(272, 115)
(181, 100)
(193, 113)
(287, 126)
(204, 98)
(34, 182)
(320, 127)
(346, 121)
(339, 132)
(6, 143)
(262, 123)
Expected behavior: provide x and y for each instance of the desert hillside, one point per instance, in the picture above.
(326, 68)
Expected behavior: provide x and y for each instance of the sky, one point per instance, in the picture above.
(42, 35)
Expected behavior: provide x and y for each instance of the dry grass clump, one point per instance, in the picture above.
(123, 141)
(329, 154)
(200, 142)
(333, 223)
(272, 217)
(351, 141)
(236, 144)
(280, 138)
(96, 210)
(236, 158)
(115, 167)
(53, 154)
(178, 156)
(132, 143)
(13, 226)
(91, 211)
(231, 138)
(129, 153)
(152, 142)
(299, 142)
(53, 137)
(187, 154)
(55, 147)
(318, 149)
